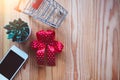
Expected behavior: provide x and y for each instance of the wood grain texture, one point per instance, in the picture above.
(90, 33)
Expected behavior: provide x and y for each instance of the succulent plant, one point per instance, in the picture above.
(17, 30)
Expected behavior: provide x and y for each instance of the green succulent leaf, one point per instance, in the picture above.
(9, 31)
(10, 35)
(8, 27)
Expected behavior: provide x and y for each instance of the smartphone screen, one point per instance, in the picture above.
(10, 64)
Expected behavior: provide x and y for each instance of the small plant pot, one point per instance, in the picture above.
(18, 31)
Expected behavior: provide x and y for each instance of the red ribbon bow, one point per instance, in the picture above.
(46, 47)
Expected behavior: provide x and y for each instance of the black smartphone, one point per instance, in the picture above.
(11, 63)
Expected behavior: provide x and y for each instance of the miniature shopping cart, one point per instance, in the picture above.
(47, 11)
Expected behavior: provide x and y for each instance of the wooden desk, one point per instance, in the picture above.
(90, 33)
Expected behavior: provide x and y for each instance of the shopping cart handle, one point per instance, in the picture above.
(17, 8)
(37, 4)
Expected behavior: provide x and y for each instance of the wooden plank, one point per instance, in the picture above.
(90, 33)
(1, 24)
